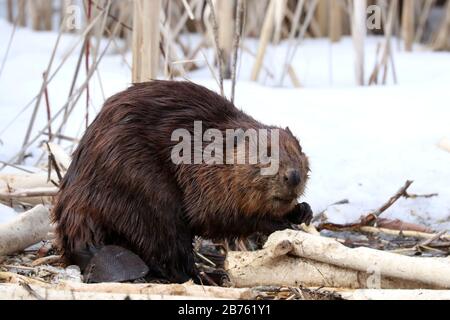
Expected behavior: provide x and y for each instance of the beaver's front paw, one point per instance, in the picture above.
(302, 213)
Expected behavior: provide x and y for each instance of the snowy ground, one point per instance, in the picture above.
(363, 143)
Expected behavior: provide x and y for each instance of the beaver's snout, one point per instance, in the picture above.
(292, 177)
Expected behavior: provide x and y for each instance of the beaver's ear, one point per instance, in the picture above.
(288, 130)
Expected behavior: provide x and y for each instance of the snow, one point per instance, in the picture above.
(363, 143)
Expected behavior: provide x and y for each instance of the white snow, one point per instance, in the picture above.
(363, 143)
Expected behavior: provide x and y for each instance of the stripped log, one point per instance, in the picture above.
(30, 189)
(273, 267)
(27, 229)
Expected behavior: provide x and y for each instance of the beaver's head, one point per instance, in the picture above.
(276, 193)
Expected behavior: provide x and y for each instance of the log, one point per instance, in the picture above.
(122, 290)
(272, 267)
(11, 182)
(428, 271)
(31, 189)
(23, 292)
(27, 229)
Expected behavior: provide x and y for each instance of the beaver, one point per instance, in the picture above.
(123, 187)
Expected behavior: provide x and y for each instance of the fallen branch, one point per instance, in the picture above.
(373, 216)
(27, 229)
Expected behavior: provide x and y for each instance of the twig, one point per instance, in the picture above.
(49, 114)
(371, 217)
(73, 99)
(33, 293)
(15, 167)
(208, 279)
(87, 63)
(41, 93)
(30, 193)
(428, 241)
(54, 163)
(415, 196)
(188, 9)
(8, 48)
(211, 69)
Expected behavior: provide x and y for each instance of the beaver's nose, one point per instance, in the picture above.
(292, 177)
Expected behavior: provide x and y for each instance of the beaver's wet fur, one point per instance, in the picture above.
(123, 189)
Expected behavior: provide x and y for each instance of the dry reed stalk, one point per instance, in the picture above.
(21, 15)
(225, 10)
(215, 29)
(442, 39)
(146, 40)
(279, 15)
(387, 50)
(311, 8)
(335, 24)
(359, 35)
(87, 55)
(408, 17)
(10, 10)
(8, 47)
(266, 34)
(236, 46)
(322, 16)
(423, 19)
(73, 99)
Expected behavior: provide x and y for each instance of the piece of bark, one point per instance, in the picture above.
(27, 229)
(428, 271)
(402, 225)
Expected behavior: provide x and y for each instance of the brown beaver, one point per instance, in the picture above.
(123, 188)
